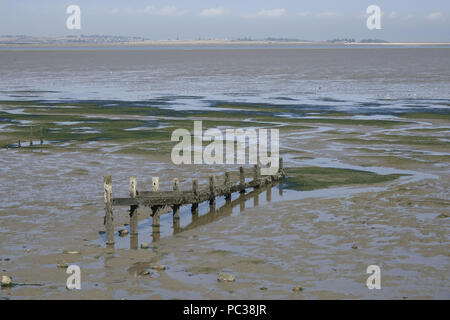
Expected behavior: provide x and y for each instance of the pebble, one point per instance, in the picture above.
(123, 232)
(225, 277)
(145, 245)
(145, 273)
(354, 246)
(71, 252)
(28, 250)
(6, 281)
(62, 265)
(297, 289)
(263, 288)
(158, 267)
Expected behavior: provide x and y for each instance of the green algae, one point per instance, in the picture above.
(311, 178)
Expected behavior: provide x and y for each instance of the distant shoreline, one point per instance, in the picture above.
(236, 43)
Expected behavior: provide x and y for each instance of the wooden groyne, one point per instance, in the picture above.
(161, 202)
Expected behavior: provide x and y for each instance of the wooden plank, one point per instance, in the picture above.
(195, 196)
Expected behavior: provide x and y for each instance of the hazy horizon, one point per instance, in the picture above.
(402, 21)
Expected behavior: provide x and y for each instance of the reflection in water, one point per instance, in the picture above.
(134, 241)
(156, 232)
(215, 214)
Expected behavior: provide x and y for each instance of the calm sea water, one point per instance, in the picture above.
(379, 80)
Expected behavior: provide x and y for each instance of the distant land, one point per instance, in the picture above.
(111, 40)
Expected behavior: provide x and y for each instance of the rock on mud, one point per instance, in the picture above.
(225, 277)
(71, 252)
(145, 245)
(6, 281)
(297, 289)
(123, 232)
(159, 267)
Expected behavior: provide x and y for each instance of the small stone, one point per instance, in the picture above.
(159, 267)
(28, 250)
(297, 289)
(263, 288)
(71, 252)
(7, 259)
(62, 265)
(225, 277)
(354, 246)
(145, 273)
(145, 245)
(6, 281)
(123, 232)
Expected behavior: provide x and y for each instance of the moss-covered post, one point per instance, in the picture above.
(227, 185)
(194, 208)
(109, 221)
(212, 190)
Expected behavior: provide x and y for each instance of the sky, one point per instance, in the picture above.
(401, 20)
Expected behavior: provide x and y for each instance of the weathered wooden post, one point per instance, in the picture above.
(256, 175)
(31, 136)
(156, 233)
(270, 178)
(155, 184)
(133, 209)
(176, 208)
(256, 199)
(227, 185)
(241, 180)
(280, 165)
(194, 208)
(109, 221)
(155, 216)
(241, 202)
(269, 193)
(212, 190)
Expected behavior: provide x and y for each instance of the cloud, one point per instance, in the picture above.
(393, 15)
(163, 11)
(213, 12)
(434, 16)
(304, 14)
(271, 12)
(328, 14)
